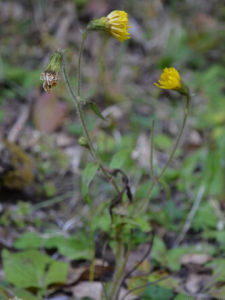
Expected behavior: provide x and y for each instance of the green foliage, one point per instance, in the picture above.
(205, 218)
(163, 142)
(96, 110)
(218, 266)
(75, 248)
(32, 268)
(119, 159)
(154, 292)
(199, 52)
(87, 176)
(172, 258)
(218, 235)
(184, 297)
(28, 240)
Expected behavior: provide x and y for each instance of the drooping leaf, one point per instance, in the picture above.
(87, 176)
(96, 110)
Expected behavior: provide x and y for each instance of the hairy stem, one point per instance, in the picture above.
(151, 153)
(121, 260)
(84, 36)
(78, 106)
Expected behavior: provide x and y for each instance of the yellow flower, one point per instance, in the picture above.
(170, 80)
(117, 25)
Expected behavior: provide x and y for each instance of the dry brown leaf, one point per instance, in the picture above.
(196, 258)
(49, 113)
(94, 290)
(83, 273)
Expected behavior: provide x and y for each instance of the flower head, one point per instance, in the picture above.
(50, 80)
(170, 80)
(115, 23)
(118, 26)
(51, 74)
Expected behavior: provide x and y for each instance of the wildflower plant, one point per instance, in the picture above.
(116, 24)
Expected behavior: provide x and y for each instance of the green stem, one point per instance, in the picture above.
(151, 149)
(119, 268)
(84, 36)
(122, 269)
(157, 179)
(78, 106)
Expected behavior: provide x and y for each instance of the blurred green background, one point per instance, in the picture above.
(40, 179)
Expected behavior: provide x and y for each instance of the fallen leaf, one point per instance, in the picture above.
(94, 291)
(49, 113)
(195, 258)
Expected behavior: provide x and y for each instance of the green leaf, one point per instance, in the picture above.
(159, 250)
(218, 266)
(96, 110)
(119, 159)
(154, 292)
(57, 273)
(23, 294)
(28, 240)
(87, 176)
(173, 256)
(139, 222)
(205, 217)
(75, 248)
(89, 173)
(33, 269)
(163, 142)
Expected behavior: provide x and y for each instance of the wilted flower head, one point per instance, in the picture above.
(115, 23)
(51, 74)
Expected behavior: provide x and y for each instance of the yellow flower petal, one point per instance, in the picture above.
(117, 25)
(169, 79)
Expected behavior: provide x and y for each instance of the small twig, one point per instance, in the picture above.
(52, 201)
(190, 216)
(20, 122)
(141, 261)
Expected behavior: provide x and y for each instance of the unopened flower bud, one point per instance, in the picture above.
(83, 142)
(50, 76)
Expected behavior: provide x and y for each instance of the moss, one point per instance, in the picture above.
(21, 174)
